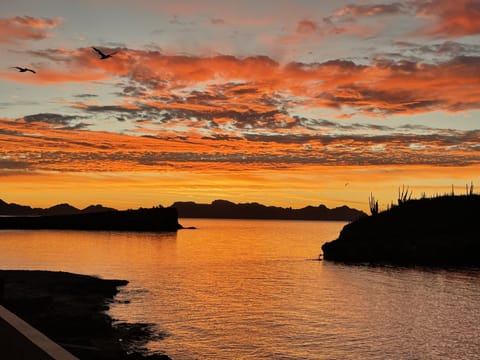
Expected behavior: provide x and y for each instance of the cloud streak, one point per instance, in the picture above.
(49, 142)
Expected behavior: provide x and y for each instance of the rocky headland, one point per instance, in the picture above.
(440, 231)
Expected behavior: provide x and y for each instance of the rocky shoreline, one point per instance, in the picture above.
(70, 309)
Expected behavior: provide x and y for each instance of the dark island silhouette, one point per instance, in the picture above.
(65, 217)
(223, 209)
(439, 231)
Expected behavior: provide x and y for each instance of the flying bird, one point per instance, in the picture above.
(102, 55)
(24, 69)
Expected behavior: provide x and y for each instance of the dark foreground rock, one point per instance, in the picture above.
(154, 219)
(440, 231)
(70, 309)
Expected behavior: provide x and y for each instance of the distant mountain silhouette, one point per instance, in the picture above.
(15, 209)
(60, 209)
(223, 209)
(218, 209)
(439, 231)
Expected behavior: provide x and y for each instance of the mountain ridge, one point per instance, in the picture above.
(217, 209)
(13, 209)
(224, 209)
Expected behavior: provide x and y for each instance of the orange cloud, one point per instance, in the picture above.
(25, 28)
(451, 18)
(352, 12)
(306, 27)
(376, 88)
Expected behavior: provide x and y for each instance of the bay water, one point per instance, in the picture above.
(254, 289)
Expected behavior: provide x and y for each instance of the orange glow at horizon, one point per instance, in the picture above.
(332, 186)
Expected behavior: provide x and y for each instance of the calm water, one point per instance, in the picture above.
(235, 289)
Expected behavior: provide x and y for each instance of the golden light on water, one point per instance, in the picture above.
(254, 289)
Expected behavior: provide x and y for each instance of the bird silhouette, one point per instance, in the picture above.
(102, 55)
(24, 69)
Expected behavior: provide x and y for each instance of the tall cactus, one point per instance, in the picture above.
(404, 195)
(373, 204)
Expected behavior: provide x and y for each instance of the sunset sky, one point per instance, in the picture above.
(288, 103)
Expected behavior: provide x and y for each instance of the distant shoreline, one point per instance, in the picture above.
(217, 209)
